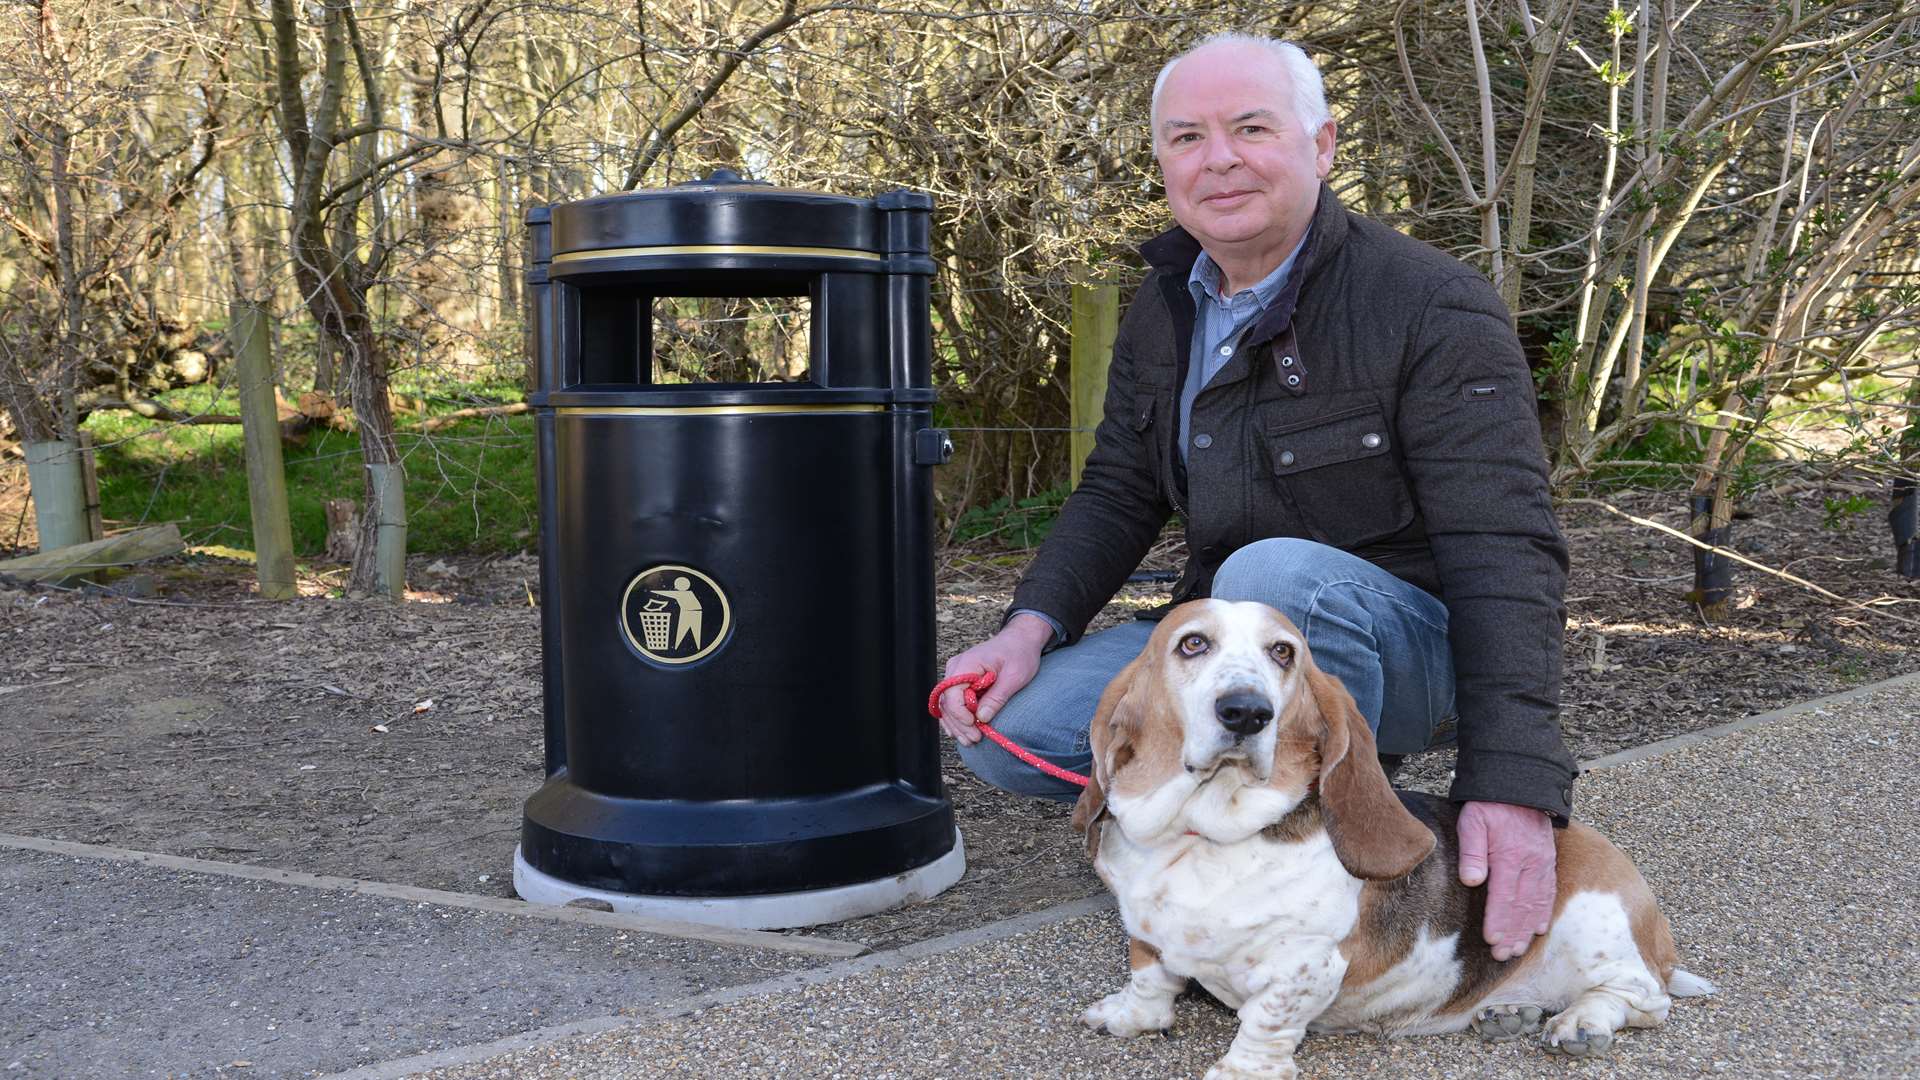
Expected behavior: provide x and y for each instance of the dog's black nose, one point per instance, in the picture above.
(1243, 713)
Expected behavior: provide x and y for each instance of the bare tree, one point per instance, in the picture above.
(1701, 215)
(334, 280)
(108, 130)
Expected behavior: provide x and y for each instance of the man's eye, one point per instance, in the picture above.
(1282, 653)
(1193, 645)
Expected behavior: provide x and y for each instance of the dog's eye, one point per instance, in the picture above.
(1282, 653)
(1193, 645)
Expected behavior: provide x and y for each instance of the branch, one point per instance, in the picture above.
(1413, 90)
(1489, 158)
(664, 133)
(392, 163)
(286, 70)
(152, 410)
(1875, 605)
(449, 419)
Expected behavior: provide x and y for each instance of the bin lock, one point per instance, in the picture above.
(931, 446)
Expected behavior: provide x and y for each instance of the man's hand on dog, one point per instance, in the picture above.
(1511, 849)
(1013, 655)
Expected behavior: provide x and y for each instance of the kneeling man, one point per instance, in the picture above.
(1344, 418)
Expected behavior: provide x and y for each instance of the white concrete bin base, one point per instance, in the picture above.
(773, 911)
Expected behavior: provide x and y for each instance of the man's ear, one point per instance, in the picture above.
(1323, 143)
(1111, 740)
(1373, 833)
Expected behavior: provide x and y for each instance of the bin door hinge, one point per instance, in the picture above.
(931, 446)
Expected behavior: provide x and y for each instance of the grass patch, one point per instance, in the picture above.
(1021, 524)
(470, 486)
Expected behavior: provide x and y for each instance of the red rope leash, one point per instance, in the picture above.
(976, 683)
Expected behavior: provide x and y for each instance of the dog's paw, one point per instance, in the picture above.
(1498, 1023)
(1127, 1014)
(1576, 1041)
(1227, 1069)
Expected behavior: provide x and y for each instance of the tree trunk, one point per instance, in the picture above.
(336, 290)
(379, 565)
(444, 313)
(507, 263)
(1905, 515)
(1711, 517)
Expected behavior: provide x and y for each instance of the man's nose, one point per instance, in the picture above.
(1221, 155)
(1243, 712)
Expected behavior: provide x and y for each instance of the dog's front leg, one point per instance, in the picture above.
(1275, 1018)
(1145, 1003)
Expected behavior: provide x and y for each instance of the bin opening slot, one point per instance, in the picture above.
(687, 333)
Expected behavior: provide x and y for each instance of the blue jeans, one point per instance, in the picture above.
(1384, 639)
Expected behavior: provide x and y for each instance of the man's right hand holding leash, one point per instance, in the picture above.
(1013, 655)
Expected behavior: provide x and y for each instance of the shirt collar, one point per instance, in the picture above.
(1205, 280)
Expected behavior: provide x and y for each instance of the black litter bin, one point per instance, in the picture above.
(733, 414)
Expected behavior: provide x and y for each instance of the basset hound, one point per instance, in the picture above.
(1239, 813)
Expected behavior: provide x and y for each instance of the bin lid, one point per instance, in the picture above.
(725, 211)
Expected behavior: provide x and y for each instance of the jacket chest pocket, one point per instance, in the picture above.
(1152, 412)
(1342, 475)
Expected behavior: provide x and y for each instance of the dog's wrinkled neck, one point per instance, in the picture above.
(1301, 822)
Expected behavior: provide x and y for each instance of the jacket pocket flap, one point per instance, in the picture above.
(1142, 409)
(1345, 436)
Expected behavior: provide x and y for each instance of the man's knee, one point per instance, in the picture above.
(998, 768)
(1285, 572)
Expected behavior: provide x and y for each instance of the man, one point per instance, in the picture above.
(1346, 420)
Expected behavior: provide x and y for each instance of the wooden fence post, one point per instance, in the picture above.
(266, 473)
(90, 488)
(1096, 319)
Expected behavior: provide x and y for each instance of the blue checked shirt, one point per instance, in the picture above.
(1217, 324)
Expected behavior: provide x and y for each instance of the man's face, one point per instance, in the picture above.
(1240, 173)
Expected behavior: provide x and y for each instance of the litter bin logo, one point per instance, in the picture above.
(674, 614)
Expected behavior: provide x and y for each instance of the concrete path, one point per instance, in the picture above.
(117, 969)
(1782, 848)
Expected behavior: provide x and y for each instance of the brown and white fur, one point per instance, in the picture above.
(1271, 861)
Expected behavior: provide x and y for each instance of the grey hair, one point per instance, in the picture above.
(1309, 93)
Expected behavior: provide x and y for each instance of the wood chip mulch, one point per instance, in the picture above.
(397, 742)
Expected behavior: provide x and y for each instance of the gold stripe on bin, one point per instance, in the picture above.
(716, 249)
(711, 410)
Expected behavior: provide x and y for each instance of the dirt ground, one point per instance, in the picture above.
(397, 742)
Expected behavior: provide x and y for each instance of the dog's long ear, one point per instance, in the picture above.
(1374, 835)
(1111, 740)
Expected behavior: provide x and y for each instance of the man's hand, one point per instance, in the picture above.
(1013, 655)
(1511, 849)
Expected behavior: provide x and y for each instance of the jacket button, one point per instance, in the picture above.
(1286, 361)
(1370, 440)
(1286, 457)
(1203, 441)
(1293, 380)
